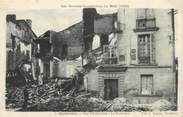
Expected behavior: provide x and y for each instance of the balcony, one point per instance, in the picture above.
(110, 60)
(143, 25)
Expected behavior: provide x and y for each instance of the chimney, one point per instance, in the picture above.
(11, 18)
(29, 22)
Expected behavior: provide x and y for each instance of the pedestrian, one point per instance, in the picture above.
(26, 97)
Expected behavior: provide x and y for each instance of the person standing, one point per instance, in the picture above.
(26, 97)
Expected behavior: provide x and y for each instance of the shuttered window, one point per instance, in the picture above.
(146, 84)
(145, 19)
(145, 13)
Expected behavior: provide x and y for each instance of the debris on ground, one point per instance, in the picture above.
(69, 95)
(14, 97)
(162, 105)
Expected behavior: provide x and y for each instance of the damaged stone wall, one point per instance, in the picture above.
(69, 42)
(88, 27)
(91, 80)
(64, 69)
(104, 24)
(19, 41)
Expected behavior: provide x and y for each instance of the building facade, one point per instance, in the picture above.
(143, 70)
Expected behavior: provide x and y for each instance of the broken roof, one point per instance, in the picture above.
(18, 22)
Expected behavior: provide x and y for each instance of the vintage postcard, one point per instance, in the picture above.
(91, 58)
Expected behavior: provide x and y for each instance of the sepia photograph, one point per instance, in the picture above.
(91, 60)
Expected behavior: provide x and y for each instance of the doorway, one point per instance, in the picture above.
(110, 89)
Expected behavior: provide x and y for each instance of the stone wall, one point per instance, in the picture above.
(129, 82)
(163, 81)
(162, 37)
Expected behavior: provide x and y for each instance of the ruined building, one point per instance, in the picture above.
(19, 48)
(57, 51)
(136, 65)
(129, 60)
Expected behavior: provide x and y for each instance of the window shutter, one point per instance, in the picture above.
(141, 13)
(149, 13)
(146, 84)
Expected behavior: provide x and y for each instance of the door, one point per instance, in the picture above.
(110, 89)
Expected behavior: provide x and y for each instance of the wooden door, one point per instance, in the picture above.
(111, 89)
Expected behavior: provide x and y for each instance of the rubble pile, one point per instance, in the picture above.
(37, 94)
(70, 103)
(122, 104)
(84, 104)
(162, 105)
(42, 94)
(70, 97)
(49, 98)
(14, 97)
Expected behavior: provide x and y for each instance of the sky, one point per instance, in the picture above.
(59, 19)
(56, 20)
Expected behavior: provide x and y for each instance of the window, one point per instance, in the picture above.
(145, 13)
(27, 54)
(141, 23)
(150, 23)
(144, 49)
(13, 41)
(109, 55)
(122, 57)
(145, 20)
(146, 84)
(64, 51)
(141, 13)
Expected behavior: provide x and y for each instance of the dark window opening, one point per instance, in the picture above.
(64, 50)
(27, 54)
(13, 42)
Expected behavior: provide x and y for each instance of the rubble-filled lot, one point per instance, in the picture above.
(49, 97)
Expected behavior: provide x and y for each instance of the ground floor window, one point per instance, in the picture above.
(146, 84)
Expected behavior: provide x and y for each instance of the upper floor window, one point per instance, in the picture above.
(109, 55)
(145, 14)
(145, 20)
(146, 50)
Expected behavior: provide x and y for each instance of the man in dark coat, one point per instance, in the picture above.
(26, 97)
